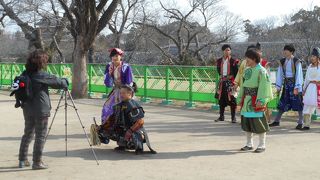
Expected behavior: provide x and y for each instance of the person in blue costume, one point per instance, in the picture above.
(290, 80)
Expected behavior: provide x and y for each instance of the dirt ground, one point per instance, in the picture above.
(190, 145)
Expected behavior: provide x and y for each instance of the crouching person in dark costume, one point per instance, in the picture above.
(125, 125)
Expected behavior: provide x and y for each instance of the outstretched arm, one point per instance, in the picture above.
(53, 81)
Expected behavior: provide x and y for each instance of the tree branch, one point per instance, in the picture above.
(26, 28)
(69, 15)
(161, 32)
(107, 15)
(101, 5)
(163, 51)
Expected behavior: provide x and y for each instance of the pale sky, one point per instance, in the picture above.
(250, 9)
(260, 9)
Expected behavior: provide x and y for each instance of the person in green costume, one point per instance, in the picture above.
(255, 93)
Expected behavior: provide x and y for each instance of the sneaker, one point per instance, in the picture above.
(299, 126)
(260, 150)
(39, 165)
(274, 124)
(246, 148)
(219, 119)
(305, 128)
(24, 163)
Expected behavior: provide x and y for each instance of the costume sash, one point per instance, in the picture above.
(112, 70)
(254, 105)
(222, 78)
(318, 95)
(253, 93)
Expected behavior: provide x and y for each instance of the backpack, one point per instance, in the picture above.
(22, 89)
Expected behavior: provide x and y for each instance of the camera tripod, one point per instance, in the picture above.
(65, 94)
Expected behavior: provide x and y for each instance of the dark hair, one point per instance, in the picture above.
(257, 46)
(225, 46)
(37, 60)
(316, 52)
(113, 53)
(289, 47)
(251, 47)
(128, 88)
(253, 54)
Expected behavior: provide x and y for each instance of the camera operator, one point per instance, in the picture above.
(36, 111)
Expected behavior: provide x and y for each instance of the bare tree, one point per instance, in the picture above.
(26, 14)
(300, 28)
(87, 19)
(191, 33)
(123, 18)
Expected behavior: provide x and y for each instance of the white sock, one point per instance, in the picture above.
(249, 139)
(262, 140)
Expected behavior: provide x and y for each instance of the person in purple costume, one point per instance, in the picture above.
(117, 73)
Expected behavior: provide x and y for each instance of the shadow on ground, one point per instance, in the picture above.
(50, 137)
(112, 155)
(193, 128)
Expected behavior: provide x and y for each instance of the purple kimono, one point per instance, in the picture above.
(115, 77)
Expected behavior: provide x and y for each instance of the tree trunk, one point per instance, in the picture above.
(79, 77)
(117, 40)
(91, 55)
(35, 40)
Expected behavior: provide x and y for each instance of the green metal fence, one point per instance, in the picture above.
(190, 84)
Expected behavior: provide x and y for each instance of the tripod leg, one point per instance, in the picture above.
(65, 120)
(54, 116)
(76, 110)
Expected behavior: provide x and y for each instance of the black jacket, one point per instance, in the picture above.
(40, 104)
(127, 113)
(233, 67)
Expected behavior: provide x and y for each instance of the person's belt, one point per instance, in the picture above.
(225, 78)
(291, 80)
(315, 82)
(250, 91)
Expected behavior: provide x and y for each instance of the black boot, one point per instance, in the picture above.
(274, 124)
(305, 128)
(299, 126)
(233, 114)
(138, 151)
(221, 118)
